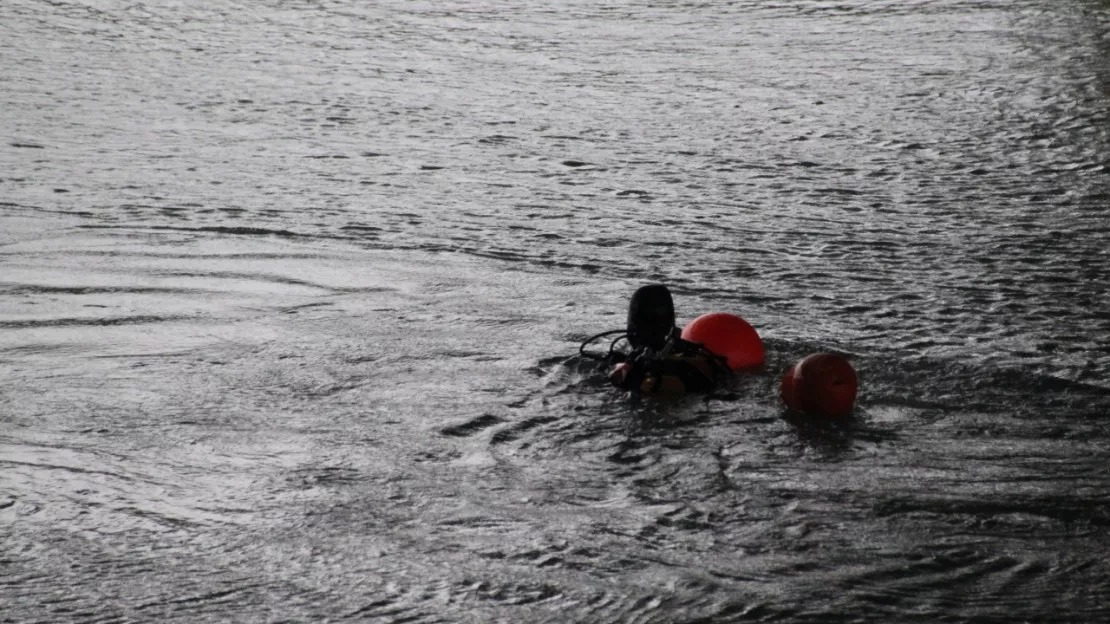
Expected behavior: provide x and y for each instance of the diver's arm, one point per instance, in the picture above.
(671, 376)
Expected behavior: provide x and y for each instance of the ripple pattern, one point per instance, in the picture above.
(288, 293)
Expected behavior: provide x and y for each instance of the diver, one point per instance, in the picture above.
(658, 361)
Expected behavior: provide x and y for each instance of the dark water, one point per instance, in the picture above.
(290, 293)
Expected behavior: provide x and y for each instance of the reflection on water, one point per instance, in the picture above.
(290, 293)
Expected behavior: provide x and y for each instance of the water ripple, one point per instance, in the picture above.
(289, 290)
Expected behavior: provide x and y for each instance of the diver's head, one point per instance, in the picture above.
(650, 317)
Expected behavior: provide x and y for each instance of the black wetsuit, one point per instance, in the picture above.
(658, 352)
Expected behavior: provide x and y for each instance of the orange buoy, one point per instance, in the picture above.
(728, 336)
(822, 384)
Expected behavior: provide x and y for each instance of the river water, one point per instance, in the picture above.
(291, 293)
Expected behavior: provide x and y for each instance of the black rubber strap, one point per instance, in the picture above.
(597, 356)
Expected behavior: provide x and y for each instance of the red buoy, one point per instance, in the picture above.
(822, 384)
(728, 336)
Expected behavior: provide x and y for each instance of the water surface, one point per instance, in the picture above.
(290, 296)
